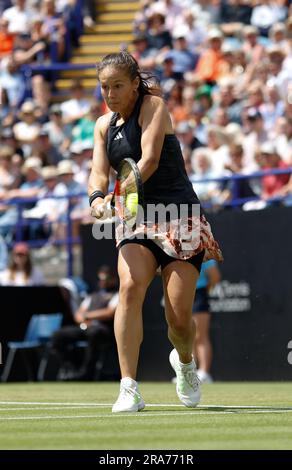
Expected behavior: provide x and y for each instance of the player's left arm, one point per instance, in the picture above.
(155, 123)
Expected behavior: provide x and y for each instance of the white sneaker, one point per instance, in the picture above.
(129, 398)
(188, 384)
(204, 377)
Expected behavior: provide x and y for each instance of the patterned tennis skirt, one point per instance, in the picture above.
(179, 239)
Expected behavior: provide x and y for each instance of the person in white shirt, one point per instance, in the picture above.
(76, 108)
(19, 17)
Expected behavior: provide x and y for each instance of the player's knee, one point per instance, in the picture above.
(131, 291)
(180, 326)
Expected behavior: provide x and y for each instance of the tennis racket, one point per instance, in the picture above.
(128, 192)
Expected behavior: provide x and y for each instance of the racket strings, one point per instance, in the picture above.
(127, 186)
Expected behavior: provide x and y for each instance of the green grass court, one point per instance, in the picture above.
(78, 416)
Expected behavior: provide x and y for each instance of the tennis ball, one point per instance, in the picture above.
(132, 203)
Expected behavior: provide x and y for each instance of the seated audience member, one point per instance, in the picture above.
(94, 324)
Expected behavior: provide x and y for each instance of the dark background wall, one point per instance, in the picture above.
(252, 306)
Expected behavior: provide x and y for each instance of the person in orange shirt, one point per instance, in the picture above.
(6, 38)
(212, 66)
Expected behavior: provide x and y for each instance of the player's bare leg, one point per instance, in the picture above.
(137, 267)
(179, 282)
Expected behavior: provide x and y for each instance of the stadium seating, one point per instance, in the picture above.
(38, 333)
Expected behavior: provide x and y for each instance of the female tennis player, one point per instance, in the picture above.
(139, 126)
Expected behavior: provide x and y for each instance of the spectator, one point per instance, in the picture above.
(170, 10)
(46, 208)
(256, 135)
(167, 76)
(272, 184)
(54, 27)
(202, 166)
(19, 17)
(28, 189)
(196, 34)
(283, 139)
(21, 271)
(209, 277)
(78, 106)
(144, 55)
(11, 80)
(212, 65)
(238, 188)
(49, 154)
(94, 324)
(84, 129)
(158, 36)
(6, 38)
(234, 13)
(6, 176)
(226, 99)
(59, 134)
(3, 254)
(28, 128)
(266, 13)
(78, 204)
(184, 60)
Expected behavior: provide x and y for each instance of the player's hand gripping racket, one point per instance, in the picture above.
(128, 194)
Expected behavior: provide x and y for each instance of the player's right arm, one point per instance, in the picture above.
(99, 176)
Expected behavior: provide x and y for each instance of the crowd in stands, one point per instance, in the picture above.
(225, 68)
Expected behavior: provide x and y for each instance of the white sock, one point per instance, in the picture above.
(128, 382)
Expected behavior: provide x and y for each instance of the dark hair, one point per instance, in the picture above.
(27, 267)
(123, 60)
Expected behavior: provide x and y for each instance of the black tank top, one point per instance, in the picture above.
(169, 183)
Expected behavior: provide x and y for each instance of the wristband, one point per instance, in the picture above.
(95, 195)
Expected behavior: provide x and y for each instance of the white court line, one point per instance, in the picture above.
(139, 415)
(52, 403)
(43, 408)
(83, 404)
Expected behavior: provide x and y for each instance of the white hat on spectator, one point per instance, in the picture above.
(228, 48)
(34, 163)
(215, 33)
(250, 30)
(49, 172)
(156, 9)
(76, 147)
(275, 49)
(277, 27)
(28, 107)
(37, 19)
(268, 148)
(87, 144)
(66, 167)
(183, 127)
(180, 31)
(233, 131)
